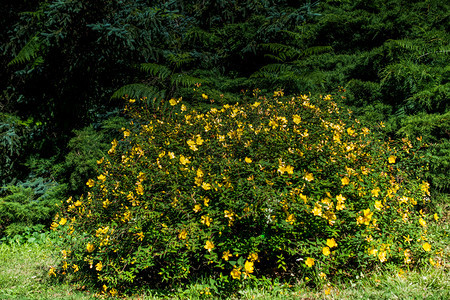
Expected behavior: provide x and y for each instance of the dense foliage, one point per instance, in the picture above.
(281, 187)
(67, 64)
(64, 60)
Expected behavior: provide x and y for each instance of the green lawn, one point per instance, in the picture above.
(23, 275)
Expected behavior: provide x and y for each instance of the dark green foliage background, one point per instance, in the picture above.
(67, 63)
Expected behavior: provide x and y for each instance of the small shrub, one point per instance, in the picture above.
(28, 206)
(283, 187)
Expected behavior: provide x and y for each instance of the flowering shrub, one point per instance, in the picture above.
(279, 187)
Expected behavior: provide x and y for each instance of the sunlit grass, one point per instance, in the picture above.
(23, 273)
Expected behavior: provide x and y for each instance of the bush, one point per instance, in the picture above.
(27, 206)
(284, 187)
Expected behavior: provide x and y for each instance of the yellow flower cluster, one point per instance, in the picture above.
(216, 183)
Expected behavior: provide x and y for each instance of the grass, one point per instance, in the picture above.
(23, 275)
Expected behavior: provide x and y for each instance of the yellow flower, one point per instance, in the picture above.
(192, 145)
(184, 160)
(209, 246)
(102, 178)
(75, 268)
(309, 262)
(248, 266)
(350, 131)
(204, 96)
(199, 140)
(279, 93)
(424, 187)
(436, 217)
(206, 186)
(304, 198)
(197, 208)
(340, 202)
(99, 266)
(378, 205)
(392, 159)
(229, 214)
(365, 130)
(426, 247)
(340, 198)
(365, 219)
(407, 238)
(248, 160)
(173, 102)
(422, 222)
(345, 180)
(78, 203)
(198, 181)
(253, 256)
(206, 220)
(432, 261)
(290, 219)
(331, 243)
(90, 183)
(236, 272)
(226, 255)
(330, 216)
(183, 234)
(140, 189)
(317, 210)
(375, 192)
(113, 147)
(171, 155)
(323, 276)
(51, 271)
(63, 221)
(308, 177)
(54, 225)
(140, 236)
(382, 256)
(290, 169)
(90, 247)
(297, 119)
(326, 251)
(106, 203)
(113, 292)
